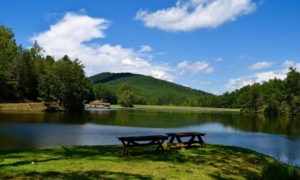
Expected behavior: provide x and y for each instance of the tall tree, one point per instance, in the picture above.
(66, 83)
(8, 51)
(125, 96)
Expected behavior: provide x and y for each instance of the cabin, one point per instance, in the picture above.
(99, 104)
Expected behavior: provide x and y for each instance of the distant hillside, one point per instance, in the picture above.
(149, 87)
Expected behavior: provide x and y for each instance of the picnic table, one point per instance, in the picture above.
(180, 143)
(131, 141)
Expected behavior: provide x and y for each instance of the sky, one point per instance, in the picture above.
(216, 46)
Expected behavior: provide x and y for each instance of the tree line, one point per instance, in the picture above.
(28, 75)
(271, 97)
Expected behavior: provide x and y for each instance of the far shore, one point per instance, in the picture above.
(41, 107)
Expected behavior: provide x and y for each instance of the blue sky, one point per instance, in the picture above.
(212, 45)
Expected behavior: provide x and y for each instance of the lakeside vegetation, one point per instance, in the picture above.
(105, 162)
(275, 96)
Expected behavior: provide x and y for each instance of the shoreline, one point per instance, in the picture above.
(31, 107)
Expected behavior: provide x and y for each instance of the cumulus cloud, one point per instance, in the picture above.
(145, 48)
(240, 82)
(219, 59)
(70, 35)
(260, 65)
(255, 78)
(195, 14)
(205, 82)
(288, 63)
(198, 67)
(244, 57)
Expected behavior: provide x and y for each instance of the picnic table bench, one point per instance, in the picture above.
(179, 135)
(131, 141)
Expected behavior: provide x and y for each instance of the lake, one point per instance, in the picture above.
(277, 136)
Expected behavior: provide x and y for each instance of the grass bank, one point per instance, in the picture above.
(184, 108)
(42, 107)
(22, 107)
(105, 162)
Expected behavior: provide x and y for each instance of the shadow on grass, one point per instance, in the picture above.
(217, 161)
(86, 175)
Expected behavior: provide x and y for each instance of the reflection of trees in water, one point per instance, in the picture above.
(287, 125)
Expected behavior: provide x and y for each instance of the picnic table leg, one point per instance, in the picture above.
(125, 148)
(191, 141)
(169, 144)
(179, 143)
(160, 145)
(201, 141)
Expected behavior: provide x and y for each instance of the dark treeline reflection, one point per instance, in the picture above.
(287, 125)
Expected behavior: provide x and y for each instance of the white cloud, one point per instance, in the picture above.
(219, 59)
(240, 82)
(205, 82)
(260, 65)
(195, 68)
(256, 78)
(69, 36)
(195, 14)
(215, 92)
(145, 48)
(244, 57)
(288, 63)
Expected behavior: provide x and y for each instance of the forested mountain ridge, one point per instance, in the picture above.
(150, 87)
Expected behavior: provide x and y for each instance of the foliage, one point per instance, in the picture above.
(125, 96)
(275, 170)
(103, 93)
(271, 97)
(27, 75)
(149, 90)
(65, 82)
(8, 52)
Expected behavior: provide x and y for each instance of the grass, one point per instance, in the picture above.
(176, 108)
(105, 162)
(42, 107)
(22, 107)
(186, 108)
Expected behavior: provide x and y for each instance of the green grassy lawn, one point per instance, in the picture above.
(176, 108)
(186, 108)
(105, 162)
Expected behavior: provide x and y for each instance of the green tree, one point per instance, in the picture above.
(103, 93)
(8, 51)
(125, 96)
(70, 87)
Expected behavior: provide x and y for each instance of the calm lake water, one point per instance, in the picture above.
(274, 136)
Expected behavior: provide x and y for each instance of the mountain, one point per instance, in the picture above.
(149, 87)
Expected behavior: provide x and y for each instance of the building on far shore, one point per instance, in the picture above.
(99, 104)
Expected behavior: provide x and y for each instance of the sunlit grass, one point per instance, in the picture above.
(186, 108)
(176, 108)
(22, 107)
(105, 162)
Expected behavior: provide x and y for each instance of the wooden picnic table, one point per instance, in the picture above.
(179, 135)
(131, 141)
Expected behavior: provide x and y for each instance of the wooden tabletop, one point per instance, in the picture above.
(143, 138)
(185, 134)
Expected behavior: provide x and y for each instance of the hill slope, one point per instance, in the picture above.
(149, 87)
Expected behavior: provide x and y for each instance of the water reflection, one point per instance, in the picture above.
(265, 134)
